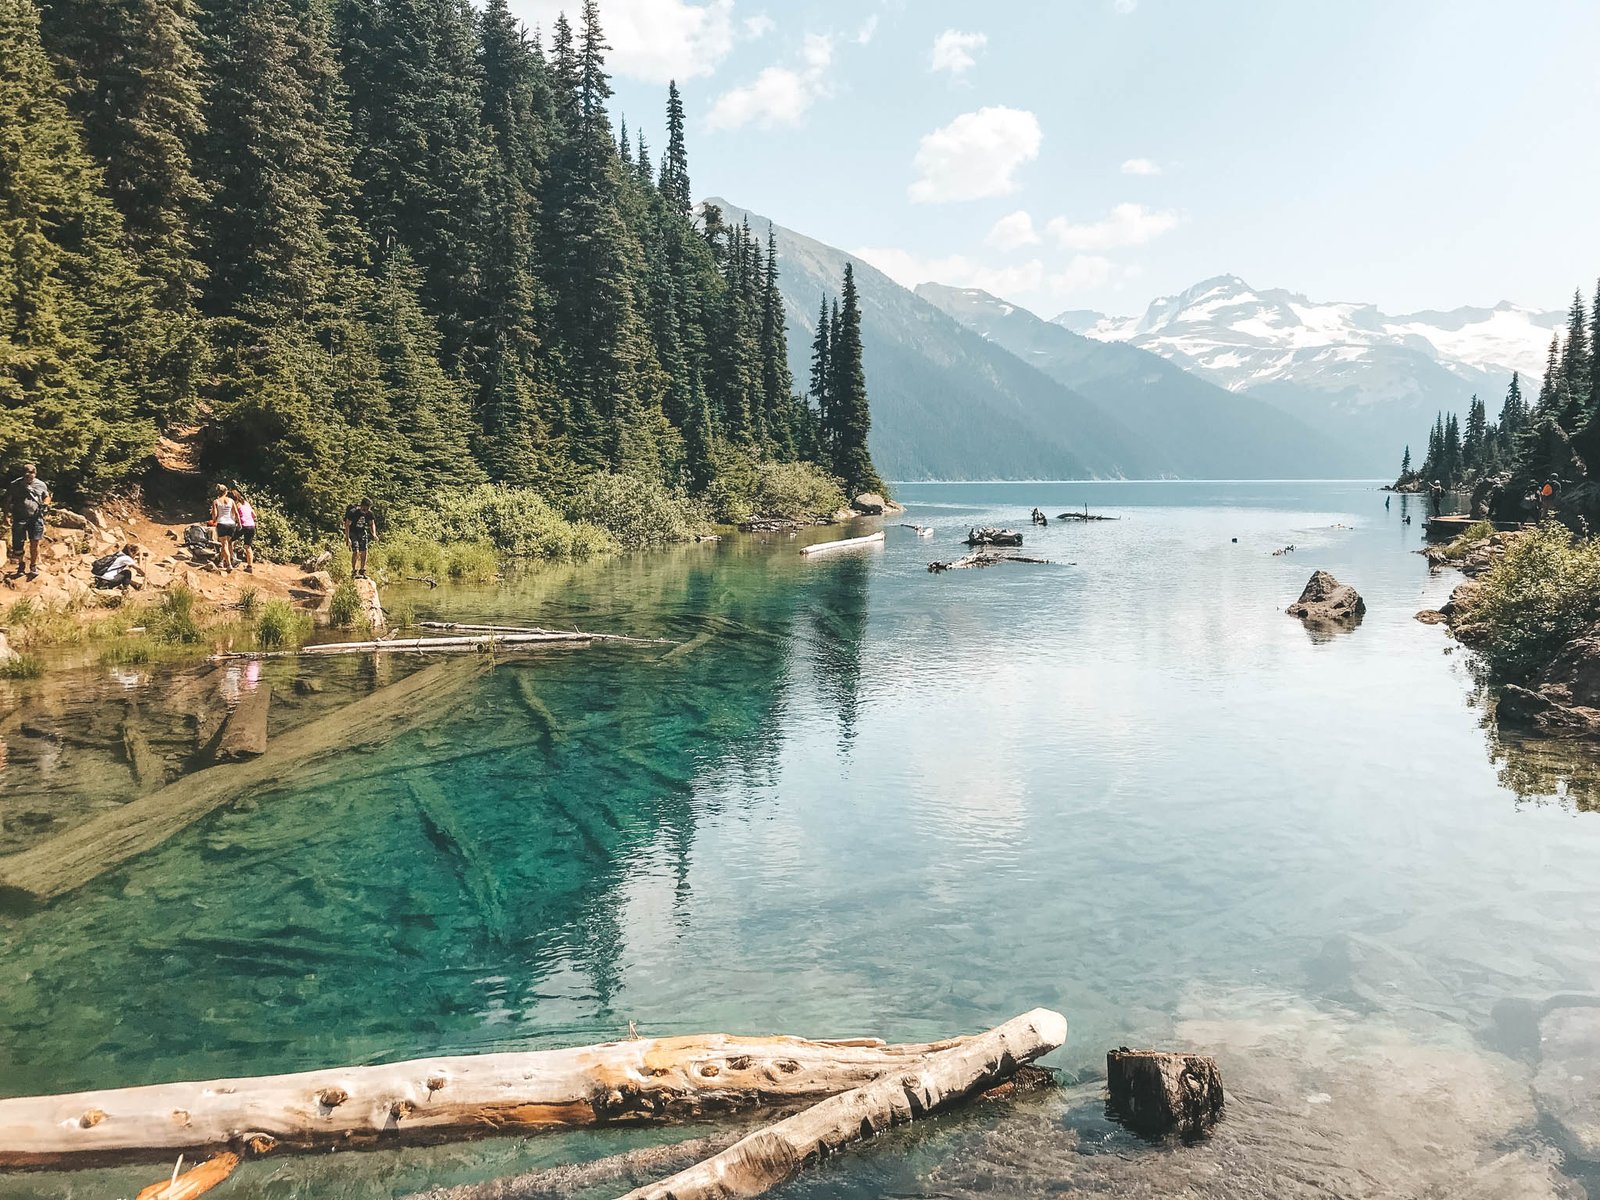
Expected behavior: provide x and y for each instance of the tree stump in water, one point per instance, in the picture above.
(1156, 1092)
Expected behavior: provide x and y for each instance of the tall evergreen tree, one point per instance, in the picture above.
(74, 315)
(777, 384)
(1574, 371)
(852, 461)
(133, 68)
(675, 189)
(1405, 465)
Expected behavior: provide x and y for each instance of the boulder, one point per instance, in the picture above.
(1432, 616)
(6, 652)
(1326, 601)
(67, 519)
(1156, 1092)
(1546, 709)
(869, 503)
(1567, 1086)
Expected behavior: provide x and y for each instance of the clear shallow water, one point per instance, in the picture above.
(876, 800)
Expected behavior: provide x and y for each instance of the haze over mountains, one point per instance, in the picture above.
(1221, 382)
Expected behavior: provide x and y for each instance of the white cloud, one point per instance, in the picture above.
(652, 40)
(868, 29)
(1013, 232)
(1140, 166)
(758, 26)
(1126, 225)
(1126, 6)
(956, 270)
(976, 155)
(953, 50)
(1084, 271)
(779, 95)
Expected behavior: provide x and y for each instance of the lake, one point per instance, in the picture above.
(879, 801)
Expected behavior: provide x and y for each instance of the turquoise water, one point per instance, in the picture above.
(875, 800)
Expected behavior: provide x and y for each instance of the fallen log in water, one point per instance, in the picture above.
(147, 768)
(439, 1099)
(71, 859)
(1085, 515)
(565, 633)
(418, 645)
(855, 543)
(922, 530)
(244, 732)
(982, 558)
(755, 1164)
(556, 1183)
(989, 536)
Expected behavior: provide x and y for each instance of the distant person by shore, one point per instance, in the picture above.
(360, 531)
(225, 517)
(27, 498)
(247, 528)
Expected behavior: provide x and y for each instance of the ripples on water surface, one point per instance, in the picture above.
(880, 801)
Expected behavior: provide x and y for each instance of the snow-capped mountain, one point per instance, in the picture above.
(1356, 372)
(1243, 338)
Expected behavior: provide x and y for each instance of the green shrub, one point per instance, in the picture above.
(1468, 538)
(344, 606)
(1544, 593)
(281, 624)
(516, 522)
(172, 618)
(797, 491)
(249, 600)
(131, 651)
(401, 613)
(471, 562)
(403, 553)
(635, 510)
(22, 666)
(280, 537)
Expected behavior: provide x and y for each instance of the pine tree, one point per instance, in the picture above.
(133, 68)
(675, 189)
(1405, 465)
(1473, 438)
(852, 461)
(1452, 451)
(1574, 369)
(821, 378)
(777, 383)
(74, 315)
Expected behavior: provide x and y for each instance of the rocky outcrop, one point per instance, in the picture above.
(1564, 700)
(1328, 603)
(871, 504)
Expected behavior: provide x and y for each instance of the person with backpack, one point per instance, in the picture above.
(247, 528)
(360, 531)
(116, 570)
(27, 498)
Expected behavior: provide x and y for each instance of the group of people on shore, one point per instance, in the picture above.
(233, 518)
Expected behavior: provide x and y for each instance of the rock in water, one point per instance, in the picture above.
(1326, 601)
(870, 503)
(1157, 1092)
(1567, 1087)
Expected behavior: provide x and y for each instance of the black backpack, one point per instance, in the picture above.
(102, 564)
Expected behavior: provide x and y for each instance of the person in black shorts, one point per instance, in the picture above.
(360, 531)
(26, 500)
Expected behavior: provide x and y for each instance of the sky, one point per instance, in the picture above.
(1066, 154)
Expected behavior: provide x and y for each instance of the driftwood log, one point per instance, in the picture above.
(855, 543)
(71, 859)
(146, 766)
(195, 1182)
(1156, 1092)
(418, 645)
(371, 606)
(630, 1168)
(983, 558)
(755, 1164)
(439, 1099)
(989, 536)
(1085, 515)
(458, 627)
(922, 530)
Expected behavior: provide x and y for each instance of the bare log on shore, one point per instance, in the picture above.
(755, 1164)
(71, 859)
(983, 558)
(440, 1099)
(566, 633)
(855, 543)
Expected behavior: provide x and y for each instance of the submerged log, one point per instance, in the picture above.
(922, 530)
(982, 558)
(755, 1164)
(630, 1167)
(146, 766)
(989, 536)
(439, 1099)
(419, 645)
(1156, 1092)
(855, 543)
(244, 732)
(1085, 515)
(73, 858)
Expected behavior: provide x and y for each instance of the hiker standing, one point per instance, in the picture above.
(247, 528)
(26, 500)
(360, 531)
(1436, 496)
(1547, 498)
(225, 516)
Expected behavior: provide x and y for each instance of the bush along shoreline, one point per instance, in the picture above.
(1530, 609)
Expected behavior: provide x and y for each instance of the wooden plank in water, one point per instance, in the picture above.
(871, 539)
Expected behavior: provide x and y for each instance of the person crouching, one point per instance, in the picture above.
(121, 569)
